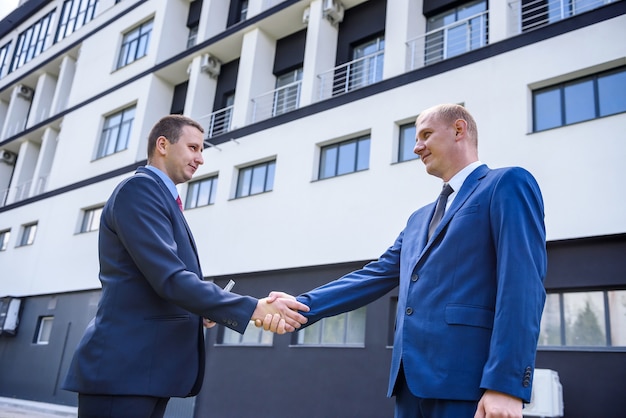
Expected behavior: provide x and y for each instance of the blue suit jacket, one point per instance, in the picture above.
(470, 299)
(147, 338)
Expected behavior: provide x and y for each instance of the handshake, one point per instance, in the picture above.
(278, 312)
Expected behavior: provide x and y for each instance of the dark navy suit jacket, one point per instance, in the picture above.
(470, 299)
(147, 336)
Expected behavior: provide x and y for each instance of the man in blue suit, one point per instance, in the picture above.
(146, 343)
(470, 292)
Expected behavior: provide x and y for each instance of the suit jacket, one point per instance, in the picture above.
(147, 337)
(470, 299)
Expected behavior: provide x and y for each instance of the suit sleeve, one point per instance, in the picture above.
(162, 252)
(355, 289)
(518, 232)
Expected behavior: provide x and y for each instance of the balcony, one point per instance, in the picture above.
(449, 41)
(276, 102)
(533, 14)
(351, 76)
(218, 122)
(23, 191)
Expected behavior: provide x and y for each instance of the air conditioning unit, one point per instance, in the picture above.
(8, 157)
(547, 395)
(25, 92)
(210, 65)
(9, 315)
(333, 11)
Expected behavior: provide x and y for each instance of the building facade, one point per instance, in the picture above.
(308, 109)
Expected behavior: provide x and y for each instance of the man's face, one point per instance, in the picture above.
(185, 156)
(435, 144)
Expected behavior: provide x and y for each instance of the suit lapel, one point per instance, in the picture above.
(469, 186)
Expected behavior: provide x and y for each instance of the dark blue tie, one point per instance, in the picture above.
(440, 208)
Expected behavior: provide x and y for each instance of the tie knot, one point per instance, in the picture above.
(447, 190)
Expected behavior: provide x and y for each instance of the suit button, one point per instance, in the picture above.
(409, 311)
(526, 383)
(235, 323)
(414, 278)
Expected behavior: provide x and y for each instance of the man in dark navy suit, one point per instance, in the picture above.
(471, 290)
(146, 342)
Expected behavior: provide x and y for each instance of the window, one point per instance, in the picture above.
(406, 143)
(456, 31)
(4, 239)
(135, 44)
(74, 15)
(192, 37)
(116, 132)
(287, 93)
(368, 65)
(256, 179)
(579, 100)
(345, 157)
(584, 319)
(347, 329)
(537, 13)
(252, 336)
(32, 42)
(91, 219)
(44, 330)
(243, 10)
(4, 62)
(201, 192)
(28, 234)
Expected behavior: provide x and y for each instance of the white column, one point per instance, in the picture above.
(67, 69)
(255, 73)
(502, 22)
(24, 169)
(404, 21)
(200, 93)
(212, 18)
(44, 161)
(42, 100)
(319, 54)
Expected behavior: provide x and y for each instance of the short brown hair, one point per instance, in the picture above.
(171, 127)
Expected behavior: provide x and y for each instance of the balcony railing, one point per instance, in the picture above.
(23, 190)
(218, 122)
(446, 42)
(352, 75)
(532, 14)
(276, 102)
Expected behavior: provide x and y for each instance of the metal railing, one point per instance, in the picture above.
(532, 14)
(352, 75)
(218, 122)
(446, 42)
(276, 102)
(24, 190)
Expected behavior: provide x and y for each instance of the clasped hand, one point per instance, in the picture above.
(279, 313)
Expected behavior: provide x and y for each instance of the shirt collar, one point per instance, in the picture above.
(168, 181)
(457, 180)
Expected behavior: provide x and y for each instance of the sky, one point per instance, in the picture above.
(6, 7)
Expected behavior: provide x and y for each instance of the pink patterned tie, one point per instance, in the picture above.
(180, 203)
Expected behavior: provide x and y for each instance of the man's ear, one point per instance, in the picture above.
(161, 145)
(460, 125)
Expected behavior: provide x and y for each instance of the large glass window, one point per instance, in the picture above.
(252, 336)
(406, 143)
(74, 15)
(256, 179)
(135, 44)
(201, 192)
(345, 157)
(4, 239)
(368, 66)
(44, 330)
(456, 31)
(4, 59)
(579, 100)
(91, 219)
(28, 234)
(116, 132)
(347, 329)
(32, 42)
(584, 319)
(287, 94)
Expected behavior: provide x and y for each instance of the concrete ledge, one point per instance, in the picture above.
(13, 408)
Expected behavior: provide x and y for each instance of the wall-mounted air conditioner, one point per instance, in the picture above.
(547, 396)
(333, 11)
(25, 92)
(9, 315)
(210, 65)
(8, 157)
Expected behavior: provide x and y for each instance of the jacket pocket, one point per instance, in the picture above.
(476, 316)
(167, 318)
